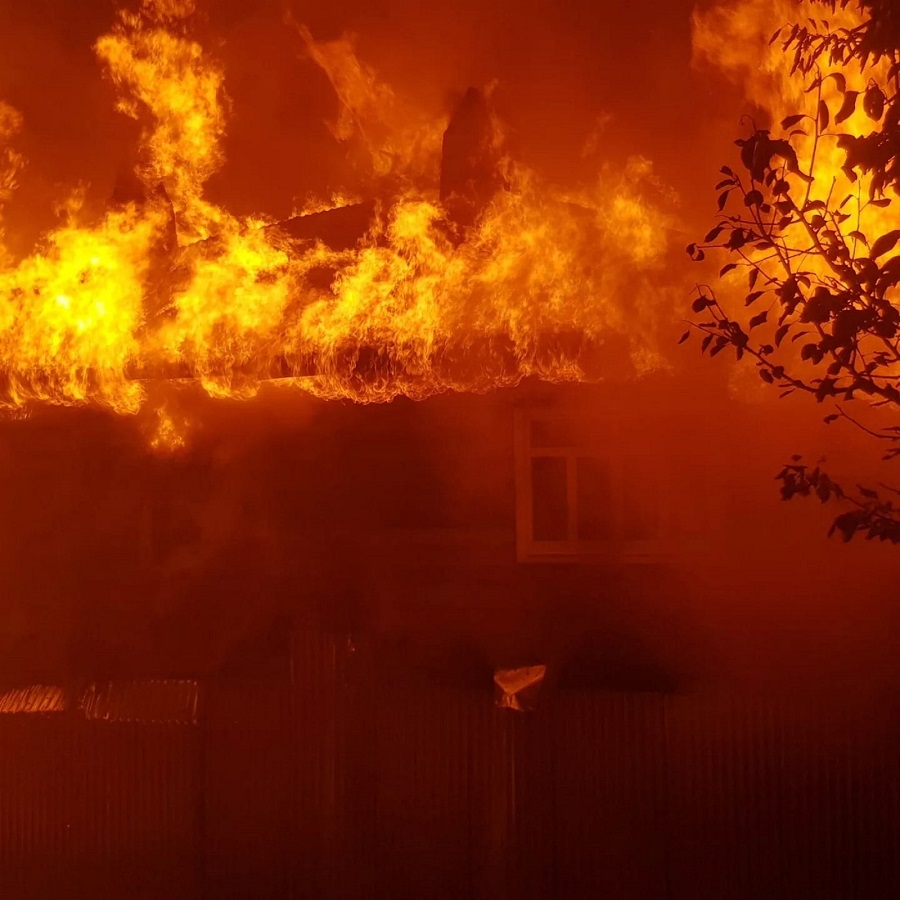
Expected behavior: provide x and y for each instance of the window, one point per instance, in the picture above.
(586, 488)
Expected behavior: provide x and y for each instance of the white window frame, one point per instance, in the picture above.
(617, 549)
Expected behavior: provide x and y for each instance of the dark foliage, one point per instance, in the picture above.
(821, 278)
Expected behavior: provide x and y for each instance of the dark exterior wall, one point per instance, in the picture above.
(399, 521)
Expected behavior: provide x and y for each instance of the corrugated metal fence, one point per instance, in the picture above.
(363, 777)
(617, 794)
(97, 809)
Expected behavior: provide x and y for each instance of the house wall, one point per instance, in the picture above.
(399, 521)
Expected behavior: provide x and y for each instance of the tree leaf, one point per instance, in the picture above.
(840, 80)
(884, 244)
(873, 103)
(789, 155)
(848, 107)
(791, 121)
(753, 198)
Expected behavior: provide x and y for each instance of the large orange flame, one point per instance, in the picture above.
(179, 285)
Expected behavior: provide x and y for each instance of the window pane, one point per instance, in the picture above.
(595, 513)
(549, 507)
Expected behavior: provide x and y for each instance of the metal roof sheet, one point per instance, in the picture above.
(155, 702)
(38, 698)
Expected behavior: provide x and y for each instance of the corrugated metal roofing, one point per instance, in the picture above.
(38, 698)
(147, 702)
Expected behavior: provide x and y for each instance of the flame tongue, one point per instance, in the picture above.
(172, 80)
(500, 278)
(11, 161)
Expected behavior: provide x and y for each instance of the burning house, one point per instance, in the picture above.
(389, 548)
